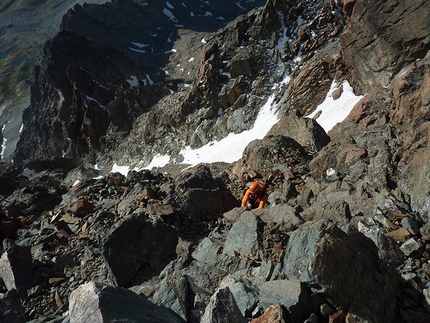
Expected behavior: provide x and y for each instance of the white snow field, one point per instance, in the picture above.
(230, 148)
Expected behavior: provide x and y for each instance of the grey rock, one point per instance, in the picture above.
(222, 308)
(319, 249)
(244, 293)
(409, 246)
(282, 214)
(243, 236)
(137, 243)
(96, 303)
(425, 230)
(11, 309)
(326, 310)
(411, 224)
(312, 319)
(292, 294)
(16, 268)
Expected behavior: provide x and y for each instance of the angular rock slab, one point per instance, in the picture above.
(16, 268)
(291, 294)
(243, 236)
(97, 303)
(11, 310)
(273, 314)
(346, 267)
(137, 243)
(222, 308)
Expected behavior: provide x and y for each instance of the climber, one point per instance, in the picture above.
(256, 196)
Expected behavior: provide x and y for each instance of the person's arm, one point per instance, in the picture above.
(263, 202)
(245, 198)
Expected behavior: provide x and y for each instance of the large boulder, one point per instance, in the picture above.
(291, 294)
(272, 153)
(16, 268)
(99, 303)
(307, 132)
(345, 267)
(202, 194)
(138, 248)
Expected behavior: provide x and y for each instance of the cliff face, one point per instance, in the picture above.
(346, 233)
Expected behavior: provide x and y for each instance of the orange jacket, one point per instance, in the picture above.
(257, 200)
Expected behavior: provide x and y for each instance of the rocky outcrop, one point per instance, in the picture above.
(380, 42)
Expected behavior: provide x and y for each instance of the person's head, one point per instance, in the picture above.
(256, 188)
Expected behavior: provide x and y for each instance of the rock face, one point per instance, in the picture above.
(345, 235)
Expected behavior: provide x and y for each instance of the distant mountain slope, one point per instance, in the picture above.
(25, 25)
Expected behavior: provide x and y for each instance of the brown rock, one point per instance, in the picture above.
(82, 205)
(400, 235)
(157, 208)
(338, 317)
(273, 314)
(348, 6)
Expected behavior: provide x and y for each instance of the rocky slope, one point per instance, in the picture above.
(346, 234)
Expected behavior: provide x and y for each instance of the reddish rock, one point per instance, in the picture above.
(273, 314)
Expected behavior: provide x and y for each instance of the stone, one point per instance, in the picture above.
(312, 319)
(348, 6)
(326, 310)
(409, 246)
(11, 309)
(244, 294)
(16, 268)
(338, 317)
(318, 249)
(400, 235)
(282, 214)
(243, 236)
(156, 208)
(96, 303)
(273, 314)
(411, 224)
(291, 294)
(222, 308)
(136, 243)
(425, 230)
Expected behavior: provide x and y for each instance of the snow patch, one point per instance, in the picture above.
(29, 173)
(230, 148)
(142, 51)
(170, 15)
(3, 145)
(158, 161)
(133, 81)
(92, 99)
(120, 169)
(335, 111)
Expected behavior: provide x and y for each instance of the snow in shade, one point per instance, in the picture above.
(3, 145)
(230, 149)
(94, 100)
(335, 111)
